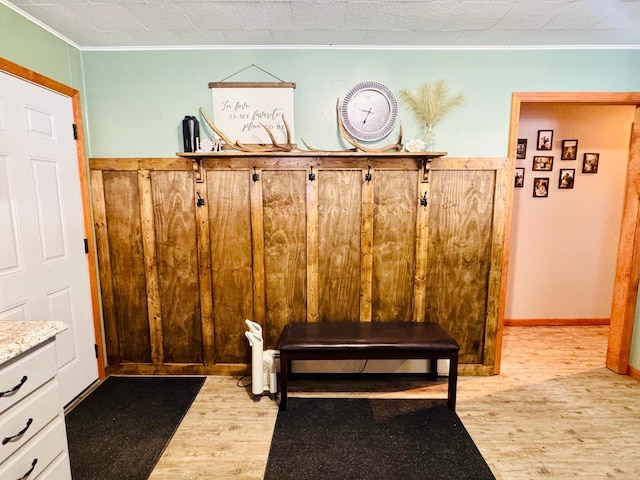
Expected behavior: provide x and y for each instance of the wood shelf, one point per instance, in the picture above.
(308, 153)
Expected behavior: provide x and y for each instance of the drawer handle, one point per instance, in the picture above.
(17, 387)
(33, 465)
(6, 440)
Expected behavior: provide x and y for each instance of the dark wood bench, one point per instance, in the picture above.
(368, 340)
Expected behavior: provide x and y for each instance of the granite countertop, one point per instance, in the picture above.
(17, 337)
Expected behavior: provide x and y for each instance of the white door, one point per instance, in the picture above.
(43, 265)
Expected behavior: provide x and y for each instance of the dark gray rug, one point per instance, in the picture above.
(121, 429)
(372, 439)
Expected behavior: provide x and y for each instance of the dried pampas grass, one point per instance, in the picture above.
(431, 102)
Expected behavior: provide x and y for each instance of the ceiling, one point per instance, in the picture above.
(120, 24)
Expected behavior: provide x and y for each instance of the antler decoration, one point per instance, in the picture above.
(274, 147)
(357, 145)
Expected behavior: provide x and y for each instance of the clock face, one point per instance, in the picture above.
(369, 111)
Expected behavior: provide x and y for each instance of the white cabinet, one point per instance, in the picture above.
(33, 440)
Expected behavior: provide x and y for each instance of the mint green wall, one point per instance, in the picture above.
(28, 45)
(137, 99)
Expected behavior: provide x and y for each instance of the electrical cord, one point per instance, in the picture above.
(238, 384)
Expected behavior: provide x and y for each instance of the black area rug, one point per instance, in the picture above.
(121, 429)
(372, 439)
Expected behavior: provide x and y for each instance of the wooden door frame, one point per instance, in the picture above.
(23, 73)
(625, 290)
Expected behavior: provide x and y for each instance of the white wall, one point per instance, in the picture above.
(564, 247)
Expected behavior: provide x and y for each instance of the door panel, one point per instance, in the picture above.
(43, 266)
(339, 244)
(231, 261)
(10, 253)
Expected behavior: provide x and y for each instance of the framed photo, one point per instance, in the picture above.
(519, 183)
(565, 180)
(545, 139)
(542, 164)
(569, 150)
(541, 187)
(590, 163)
(521, 152)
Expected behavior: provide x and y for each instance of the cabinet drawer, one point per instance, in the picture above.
(30, 416)
(27, 373)
(42, 449)
(58, 470)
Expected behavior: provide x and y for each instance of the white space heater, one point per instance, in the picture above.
(264, 378)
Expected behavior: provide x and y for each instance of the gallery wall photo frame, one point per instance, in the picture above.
(590, 162)
(545, 139)
(569, 150)
(566, 178)
(521, 152)
(540, 187)
(542, 163)
(519, 180)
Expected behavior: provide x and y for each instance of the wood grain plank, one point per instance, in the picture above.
(422, 249)
(394, 245)
(230, 233)
(154, 307)
(204, 273)
(285, 250)
(339, 220)
(502, 200)
(105, 271)
(177, 266)
(460, 256)
(366, 245)
(470, 163)
(122, 207)
(123, 164)
(313, 281)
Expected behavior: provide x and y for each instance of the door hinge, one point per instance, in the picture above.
(95, 346)
(86, 246)
(75, 131)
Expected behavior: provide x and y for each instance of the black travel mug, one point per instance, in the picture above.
(190, 133)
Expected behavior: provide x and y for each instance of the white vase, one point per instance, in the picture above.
(429, 139)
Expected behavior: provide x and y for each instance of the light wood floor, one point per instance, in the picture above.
(555, 412)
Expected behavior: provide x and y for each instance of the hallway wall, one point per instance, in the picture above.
(564, 247)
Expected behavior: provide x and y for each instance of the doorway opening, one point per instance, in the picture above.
(627, 269)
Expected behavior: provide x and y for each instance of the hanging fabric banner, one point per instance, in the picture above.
(244, 110)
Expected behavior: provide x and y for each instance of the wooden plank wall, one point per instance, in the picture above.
(185, 258)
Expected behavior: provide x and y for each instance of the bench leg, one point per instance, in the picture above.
(433, 369)
(285, 365)
(453, 382)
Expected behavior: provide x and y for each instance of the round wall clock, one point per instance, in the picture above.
(369, 111)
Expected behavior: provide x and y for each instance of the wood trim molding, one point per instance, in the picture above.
(555, 322)
(580, 98)
(46, 82)
(634, 373)
(625, 290)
